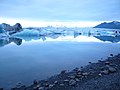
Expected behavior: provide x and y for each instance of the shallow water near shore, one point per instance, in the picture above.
(24, 59)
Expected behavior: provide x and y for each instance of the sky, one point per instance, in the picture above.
(81, 13)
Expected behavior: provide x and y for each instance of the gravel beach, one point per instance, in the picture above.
(103, 75)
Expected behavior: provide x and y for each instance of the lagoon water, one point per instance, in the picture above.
(24, 59)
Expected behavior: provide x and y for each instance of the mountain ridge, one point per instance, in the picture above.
(109, 25)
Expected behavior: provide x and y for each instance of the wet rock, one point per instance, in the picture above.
(1, 88)
(105, 72)
(81, 67)
(71, 77)
(99, 60)
(77, 80)
(63, 72)
(107, 63)
(51, 86)
(45, 81)
(35, 82)
(85, 74)
(79, 73)
(72, 82)
(102, 68)
(41, 88)
(75, 69)
(61, 84)
(35, 88)
(56, 82)
(46, 85)
(38, 86)
(19, 84)
(89, 62)
(111, 55)
(78, 76)
(19, 88)
(100, 74)
(66, 80)
(112, 70)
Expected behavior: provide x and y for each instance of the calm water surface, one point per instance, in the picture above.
(28, 58)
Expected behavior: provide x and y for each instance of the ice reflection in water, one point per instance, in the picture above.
(24, 58)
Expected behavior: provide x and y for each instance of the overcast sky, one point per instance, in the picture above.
(60, 10)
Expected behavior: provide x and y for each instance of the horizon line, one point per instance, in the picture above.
(32, 23)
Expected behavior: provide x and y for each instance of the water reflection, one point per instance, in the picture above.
(74, 36)
(47, 58)
(113, 39)
(5, 41)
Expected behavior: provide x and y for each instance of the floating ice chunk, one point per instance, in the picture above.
(27, 32)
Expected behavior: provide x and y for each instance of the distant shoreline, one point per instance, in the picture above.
(103, 75)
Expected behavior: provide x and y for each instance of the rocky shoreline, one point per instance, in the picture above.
(103, 75)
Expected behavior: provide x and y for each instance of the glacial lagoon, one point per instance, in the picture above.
(26, 58)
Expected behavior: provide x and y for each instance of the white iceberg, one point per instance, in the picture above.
(27, 32)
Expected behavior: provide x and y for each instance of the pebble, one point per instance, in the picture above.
(78, 76)
(76, 69)
(99, 60)
(102, 68)
(105, 72)
(19, 84)
(72, 82)
(85, 74)
(35, 82)
(112, 70)
(38, 86)
(46, 85)
(107, 63)
(35, 88)
(56, 82)
(66, 80)
(41, 88)
(62, 84)
(89, 62)
(111, 55)
(79, 73)
(63, 72)
(77, 80)
(100, 74)
(71, 77)
(81, 67)
(46, 81)
(51, 86)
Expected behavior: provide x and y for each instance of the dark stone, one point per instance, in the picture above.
(1, 88)
(89, 62)
(72, 82)
(107, 63)
(111, 54)
(63, 72)
(12, 29)
(35, 82)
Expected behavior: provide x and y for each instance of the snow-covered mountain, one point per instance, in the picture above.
(110, 25)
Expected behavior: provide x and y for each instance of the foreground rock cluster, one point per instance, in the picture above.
(103, 75)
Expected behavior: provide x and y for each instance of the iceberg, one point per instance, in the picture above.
(27, 32)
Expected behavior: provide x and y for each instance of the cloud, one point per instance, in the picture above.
(61, 10)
